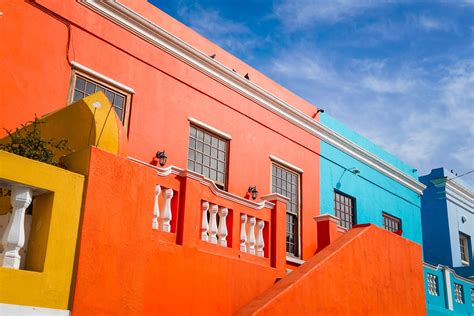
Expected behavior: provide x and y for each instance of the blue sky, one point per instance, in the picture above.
(401, 73)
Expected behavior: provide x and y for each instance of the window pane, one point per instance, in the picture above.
(78, 95)
(80, 84)
(90, 88)
(208, 160)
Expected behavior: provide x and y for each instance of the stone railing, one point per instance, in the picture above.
(194, 211)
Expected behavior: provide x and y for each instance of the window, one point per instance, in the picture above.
(464, 244)
(207, 155)
(391, 223)
(286, 183)
(432, 284)
(344, 209)
(458, 293)
(84, 85)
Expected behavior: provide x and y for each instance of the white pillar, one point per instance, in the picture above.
(204, 222)
(260, 241)
(243, 233)
(251, 237)
(14, 235)
(156, 210)
(165, 216)
(213, 224)
(222, 230)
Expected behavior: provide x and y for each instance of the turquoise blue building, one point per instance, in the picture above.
(378, 189)
(383, 190)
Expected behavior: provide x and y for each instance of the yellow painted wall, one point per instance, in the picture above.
(61, 207)
(83, 125)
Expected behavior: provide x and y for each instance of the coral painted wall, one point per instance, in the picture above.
(167, 93)
(367, 271)
(126, 268)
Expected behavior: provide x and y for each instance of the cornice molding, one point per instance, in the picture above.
(154, 34)
(446, 268)
(163, 172)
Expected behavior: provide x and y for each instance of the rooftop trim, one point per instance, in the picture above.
(155, 35)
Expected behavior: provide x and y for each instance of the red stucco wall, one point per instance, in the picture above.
(367, 271)
(126, 268)
(167, 93)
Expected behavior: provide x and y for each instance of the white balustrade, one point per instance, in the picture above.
(251, 237)
(260, 241)
(156, 210)
(165, 215)
(13, 238)
(204, 221)
(213, 224)
(222, 229)
(243, 233)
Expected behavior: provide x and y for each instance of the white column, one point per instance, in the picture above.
(222, 230)
(213, 224)
(165, 215)
(447, 288)
(14, 235)
(243, 233)
(260, 241)
(156, 210)
(251, 237)
(204, 223)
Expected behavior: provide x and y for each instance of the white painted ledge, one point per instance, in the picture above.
(210, 128)
(286, 164)
(103, 78)
(294, 260)
(17, 310)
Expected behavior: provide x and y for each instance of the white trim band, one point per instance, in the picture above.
(210, 128)
(15, 310)
(157, 36)
(286, 164)
(104, 78)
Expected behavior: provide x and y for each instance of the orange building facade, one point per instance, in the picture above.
(186, 236)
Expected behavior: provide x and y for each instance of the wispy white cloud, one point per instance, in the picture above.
(231, 35)
(425, 121)
(295, 14)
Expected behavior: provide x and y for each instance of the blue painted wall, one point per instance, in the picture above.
(443, 211)
(374, 192)
(438, 304)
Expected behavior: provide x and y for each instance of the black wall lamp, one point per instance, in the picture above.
(317, 112)
(161, 156)
(253, 192)
(354, 170)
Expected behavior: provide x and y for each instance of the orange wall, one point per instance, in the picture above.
(168, 92)
(367, 271)
(126, 268)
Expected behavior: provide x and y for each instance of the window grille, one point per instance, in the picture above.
(286, 183)
(344, 209)
(391, 223)
(84, 86)
(207, 155)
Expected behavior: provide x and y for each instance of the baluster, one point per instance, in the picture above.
(222, 230)
(14, 235)
(251, 237)
(243, 233)
(260, 241)
(156, 210)
(165, 215)
(204, 223)
(213, 224)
